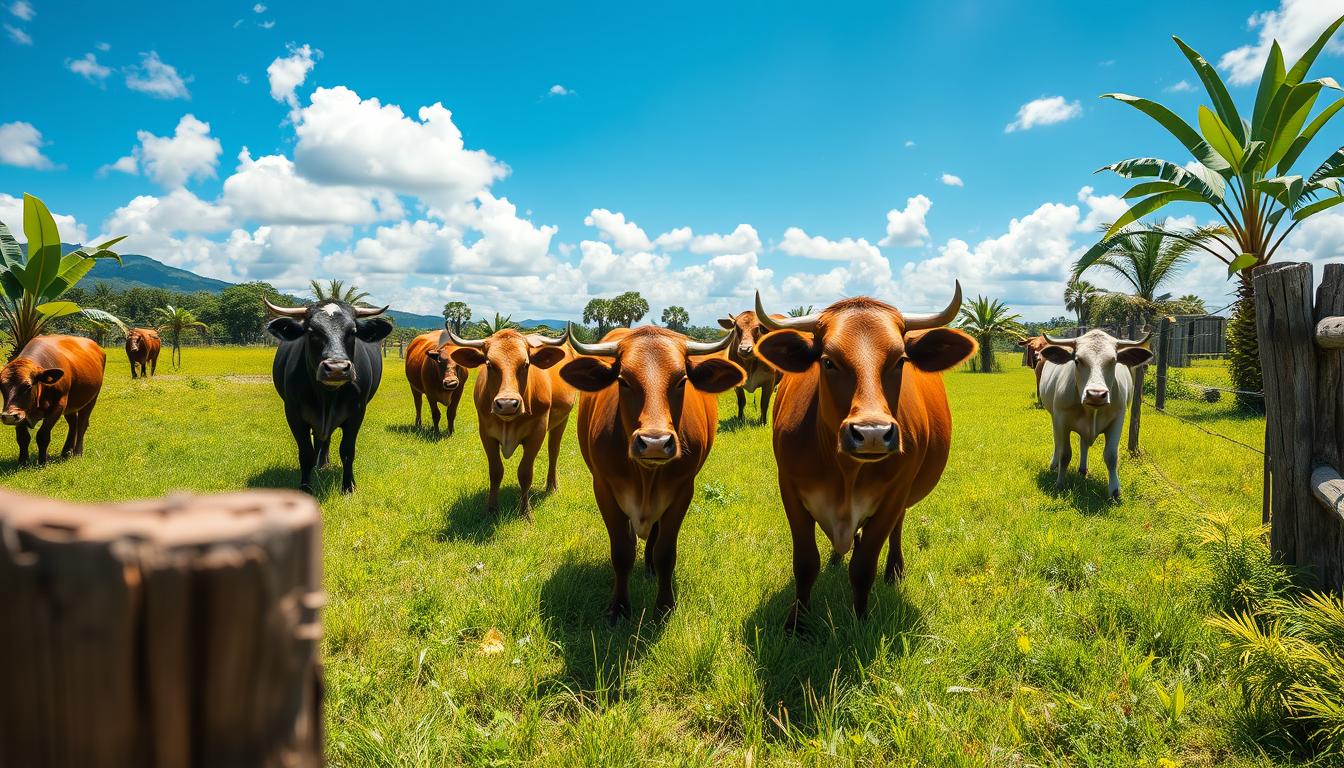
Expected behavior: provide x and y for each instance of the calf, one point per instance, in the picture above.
(53, 376)
(519, 400)
(1086, 386)
(433, 375)
(645, 434)
(142, 346)
(862, 429)
(327, 369)
(746, 331)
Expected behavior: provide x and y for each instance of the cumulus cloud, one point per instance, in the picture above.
(1102, 210)
(796, 242)
(87, 66)
(21, 145)
(1295, 24)
(287, 73)
(1047, 110)
(559, 90)
(675, 239)
(743, 239)
(906, 227)
(190, 153)
(614, 228)
(157, 78)
(11, 213)
(1180, 86)
(268, 190)
(951, 181)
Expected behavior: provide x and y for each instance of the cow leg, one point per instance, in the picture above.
(863, 569)
(1083, 447)
(806, 558)
(553, 439)
(24, 438)
(84, 417)
(44, 438)
(323, 449)
(1063, 452)
(154, 366)
(133, 371)
(648, 550)
(766, 392)
(526, 466)
(418, 404)
(665, 549)
(71, 432)
(1111, 455)
(895, 558)
(491, 446)
(349, 434)
(452, 410)
(303, 436)
(434, 413)
(741, 403)
(622, 538)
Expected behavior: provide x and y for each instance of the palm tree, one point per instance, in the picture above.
(676, 318)
(987, 319)
(457, 314)
(1243, 171)
(800, 311)
(1078, 298)
(1147, 260)
(174, 321)
(500, 322)
(336, 290)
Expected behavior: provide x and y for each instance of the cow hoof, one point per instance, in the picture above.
(527, 515)
(348, 489)
(893, 575)
(836, 558)
(616, 612)
(665, 609)
(791, 624)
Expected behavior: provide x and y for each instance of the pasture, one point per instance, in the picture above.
(1033, 627)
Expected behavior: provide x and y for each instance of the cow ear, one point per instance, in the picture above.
(939, 349)
(1134, 356)
(588, 374)
(716, 375)
(470, 357)
(787, 350)
(1020, 343)
(546, 356)
(726, 324)
(1057, 354)
(433, 354)
(286, 329)
(49, 376)
(373, 329)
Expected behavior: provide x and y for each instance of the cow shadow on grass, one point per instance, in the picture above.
(803, 674)
(734, 424)
(326, 481)
(423, 434)
(597, 655)
(465, 518)
(1089, 495)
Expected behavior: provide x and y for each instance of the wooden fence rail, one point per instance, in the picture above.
(1302, 358)
(178, 632)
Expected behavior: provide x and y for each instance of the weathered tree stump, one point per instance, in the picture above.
(172, 632)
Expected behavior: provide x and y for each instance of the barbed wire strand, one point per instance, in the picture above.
(1203, 429)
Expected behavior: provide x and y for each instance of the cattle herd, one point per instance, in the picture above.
(862, 428)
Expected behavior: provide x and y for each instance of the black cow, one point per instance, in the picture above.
(326, 370)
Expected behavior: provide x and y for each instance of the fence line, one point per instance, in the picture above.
(1204, 429)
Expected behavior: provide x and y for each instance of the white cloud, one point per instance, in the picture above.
(675, 239)
(906, 227)
(259, 8)
(244, 79)
(797, 243)
(11, 213)
(88, 67)
(18, 35)
(268, 24)
(21, 145)
(104, 47)
(343, 139)
(743, 239)
(1295, 24)
(1180, 86)
(1101, 210)
(613, 227)
(559, 90)
(157, 78)
(191, 152)
(1047, 110)
(178, 211)
(287, 73)
(951, 181)
(22, 9)
(267, 190)
(909, 143)
(126, 164)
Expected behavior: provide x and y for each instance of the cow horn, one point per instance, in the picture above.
(1127, 343)
(938, 319)
(1068, 343)
(461, 342)
(600, 349)
(708, 347)
(370, 311)
(285, 311)
(547, 341)
(806, 323)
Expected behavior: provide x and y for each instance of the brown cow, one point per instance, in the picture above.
(433, 375)
(1031, 355)
(862, 429)
(519, 401)
(646, 439)
(53, 376)
(746, 331)
(142, 346)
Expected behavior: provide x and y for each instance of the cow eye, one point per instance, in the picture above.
(622, 382)
(828, 363)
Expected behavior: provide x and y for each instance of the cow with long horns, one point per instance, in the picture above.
(647, 418)
(326, 370)
(434, 376)
(1086, 385)
(520, 401)
(746, 330)
(862, 429)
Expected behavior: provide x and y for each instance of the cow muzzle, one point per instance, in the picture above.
(870, 441)
(335, 373)
(746, 351)
(451, 384)
(507, 408)
(11, 418)
(1096, 398)
(653, 446)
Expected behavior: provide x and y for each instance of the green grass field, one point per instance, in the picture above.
(1032, 628)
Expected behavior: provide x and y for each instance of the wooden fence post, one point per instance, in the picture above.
(1329, 443)
(1287, 361)
(177, 632)
(1163, 359)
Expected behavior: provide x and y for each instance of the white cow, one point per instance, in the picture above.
(1086, 385)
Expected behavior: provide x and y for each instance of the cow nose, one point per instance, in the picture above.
(656, 446)
(506, 406)
(450, 384)
(9, 418)
(878, 438)
(1093, 396)
(744, 350)
(334, 368)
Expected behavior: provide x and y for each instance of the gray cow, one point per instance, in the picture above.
(1086, 386)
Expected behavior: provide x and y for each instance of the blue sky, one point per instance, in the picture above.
(810, 149)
